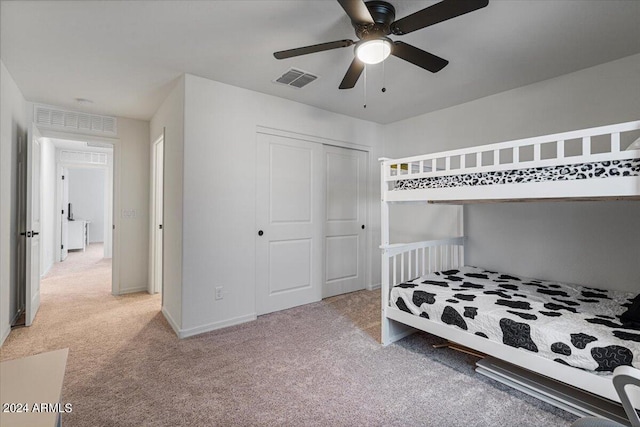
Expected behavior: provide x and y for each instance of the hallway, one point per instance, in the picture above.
(77, 308)
(80, 273)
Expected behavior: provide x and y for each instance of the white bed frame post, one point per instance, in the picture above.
(384, 237)
(390, 330)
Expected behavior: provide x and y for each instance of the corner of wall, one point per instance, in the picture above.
(174, 325)
(170, 116)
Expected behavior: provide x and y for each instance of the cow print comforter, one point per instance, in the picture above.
(573, 325)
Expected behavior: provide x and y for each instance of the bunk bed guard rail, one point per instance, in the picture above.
(586, 145)
(407, 261)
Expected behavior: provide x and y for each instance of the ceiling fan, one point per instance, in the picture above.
(374, 21)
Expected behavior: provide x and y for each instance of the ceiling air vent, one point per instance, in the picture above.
(55, 117)
(295, 78)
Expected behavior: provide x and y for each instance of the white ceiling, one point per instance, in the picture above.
(124, 55)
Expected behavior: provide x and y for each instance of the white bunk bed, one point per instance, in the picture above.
(586, 164)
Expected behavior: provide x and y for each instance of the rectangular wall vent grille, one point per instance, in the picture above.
(72, 120)
(303, 80)
(83, 157)
(295, 78)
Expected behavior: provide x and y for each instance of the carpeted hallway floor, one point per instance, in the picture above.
(318, 365)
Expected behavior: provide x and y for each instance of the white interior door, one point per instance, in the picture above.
(345, 236)
(32, 231)
(157, 206)
(289, 223)
(64, 234)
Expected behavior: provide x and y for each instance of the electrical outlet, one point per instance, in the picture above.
(219, 293)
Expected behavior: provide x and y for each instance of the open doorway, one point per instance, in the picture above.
(83, 207)
(65, 204)
(85, 200)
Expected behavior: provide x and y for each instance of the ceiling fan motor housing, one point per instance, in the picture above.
(383, 15)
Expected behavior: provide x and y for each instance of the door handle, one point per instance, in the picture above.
(160, 226)
(34, 233)
(363, 226)
(260, 232)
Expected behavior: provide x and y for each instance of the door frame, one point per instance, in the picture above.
(370, 199)
(59, 198)
(108, 212)
(28, 229)
(21, 224)
(115, 192)
(155, 284)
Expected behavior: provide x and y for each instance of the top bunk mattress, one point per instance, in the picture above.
(570, 324)
(579, 171)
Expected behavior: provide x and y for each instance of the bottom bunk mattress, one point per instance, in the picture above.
(571, 324)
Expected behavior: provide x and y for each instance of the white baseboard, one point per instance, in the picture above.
(374, 287)
(46, 270)
(15, 318)
(5, 334)
(184, 333)
(171, 321)
(133, 290)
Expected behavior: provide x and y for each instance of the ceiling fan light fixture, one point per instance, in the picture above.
(373, 51)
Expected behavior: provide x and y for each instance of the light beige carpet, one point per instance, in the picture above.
(318, 364)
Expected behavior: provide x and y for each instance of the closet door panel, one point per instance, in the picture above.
(289, 223)
(345, 237)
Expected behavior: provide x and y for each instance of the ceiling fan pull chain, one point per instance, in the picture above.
(365, 86)
(384, 88)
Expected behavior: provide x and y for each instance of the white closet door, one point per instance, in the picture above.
(289, 223)
(345, 234)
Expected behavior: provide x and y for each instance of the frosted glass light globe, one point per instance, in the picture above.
(373, 51)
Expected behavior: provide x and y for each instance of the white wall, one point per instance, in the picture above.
(13, 125)
(86, 194)
(591, 243)
(47, 208)
(573, 242)
(220, 193)
(170, 116)
(133, 184)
